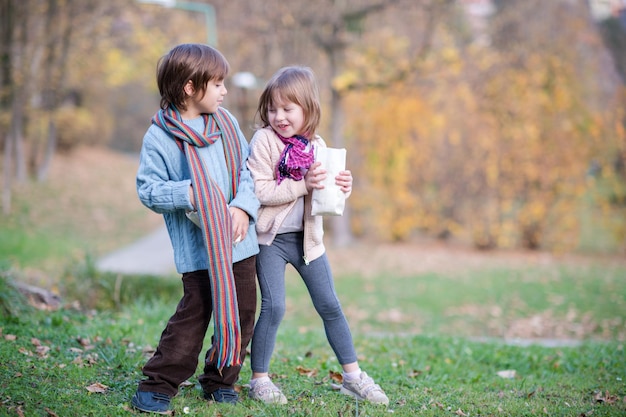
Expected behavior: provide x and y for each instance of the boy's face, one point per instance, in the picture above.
(198, 103)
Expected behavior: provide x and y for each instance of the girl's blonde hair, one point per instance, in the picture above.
(298, 85)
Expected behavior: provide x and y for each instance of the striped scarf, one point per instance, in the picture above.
(215, 219)
(295, 159)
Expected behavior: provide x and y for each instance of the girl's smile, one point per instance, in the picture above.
(286, 118)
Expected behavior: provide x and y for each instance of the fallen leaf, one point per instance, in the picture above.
(460, 413)
(605, 397)
(50, 412)
(414, 373)
(35, 341)
(308, 372)
(97, 387)
(92, 359)
(336, 376)
(42, 351)
(10, 337)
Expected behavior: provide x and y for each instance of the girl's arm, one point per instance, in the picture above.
(245, 199)
(264, 154)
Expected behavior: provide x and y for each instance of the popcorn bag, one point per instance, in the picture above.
(329, 201)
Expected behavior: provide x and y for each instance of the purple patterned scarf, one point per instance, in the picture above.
(295, 159)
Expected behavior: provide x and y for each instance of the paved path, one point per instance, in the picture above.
(151, 255)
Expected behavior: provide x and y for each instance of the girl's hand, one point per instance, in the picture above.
(240, 221)
(344, 181)
(314, 177)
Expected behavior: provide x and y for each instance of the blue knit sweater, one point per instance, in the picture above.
(163, 180)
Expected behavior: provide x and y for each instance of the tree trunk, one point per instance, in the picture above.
(51, 144)
(341, 231)
(6, 36)
(56, 72)
(7, 183)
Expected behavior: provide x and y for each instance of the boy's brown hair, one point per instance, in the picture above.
(193, 62)
(298, 85)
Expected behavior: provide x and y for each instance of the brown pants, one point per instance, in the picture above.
(176, 357)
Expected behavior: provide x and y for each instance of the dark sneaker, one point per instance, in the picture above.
(151, 402)
(223, 395)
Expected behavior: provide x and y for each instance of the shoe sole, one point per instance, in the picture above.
(138, 407)
(276, 400)
(221, 400)
(358, 397)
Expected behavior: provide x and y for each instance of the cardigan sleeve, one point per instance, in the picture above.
(265, 150)
(245, 199)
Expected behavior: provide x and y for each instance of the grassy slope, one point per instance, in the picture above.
(88, 206)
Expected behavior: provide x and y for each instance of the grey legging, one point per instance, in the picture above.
(271, 263)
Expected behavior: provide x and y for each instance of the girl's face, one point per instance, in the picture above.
(198, 104)
(286, 117)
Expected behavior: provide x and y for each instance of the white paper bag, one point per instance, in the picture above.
(329, 201)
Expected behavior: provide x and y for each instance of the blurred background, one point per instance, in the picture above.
(494, 124)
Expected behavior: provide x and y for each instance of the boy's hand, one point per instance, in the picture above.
(240, 221)
(344, 181)
(192, 198)
(314, 177)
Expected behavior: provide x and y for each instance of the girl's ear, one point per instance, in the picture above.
(189, 89)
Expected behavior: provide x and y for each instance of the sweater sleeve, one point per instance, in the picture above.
(265, 150)
(158, 187)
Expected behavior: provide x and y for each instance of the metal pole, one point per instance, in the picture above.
(209, 16)
(207, 9)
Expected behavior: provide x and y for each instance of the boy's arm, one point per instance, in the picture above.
(155, 187)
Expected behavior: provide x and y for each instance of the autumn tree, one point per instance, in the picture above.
(328, 36)
(490, 142)
(73, 73)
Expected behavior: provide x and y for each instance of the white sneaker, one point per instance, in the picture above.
(265, 390)
(364, 388)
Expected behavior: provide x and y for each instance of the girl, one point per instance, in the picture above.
(282, 165)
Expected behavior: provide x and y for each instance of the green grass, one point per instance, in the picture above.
(433, 369)
(428, 376)
(571, 302)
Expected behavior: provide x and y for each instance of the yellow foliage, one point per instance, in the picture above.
(499, 160)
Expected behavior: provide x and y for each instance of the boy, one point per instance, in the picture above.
(193, 171)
